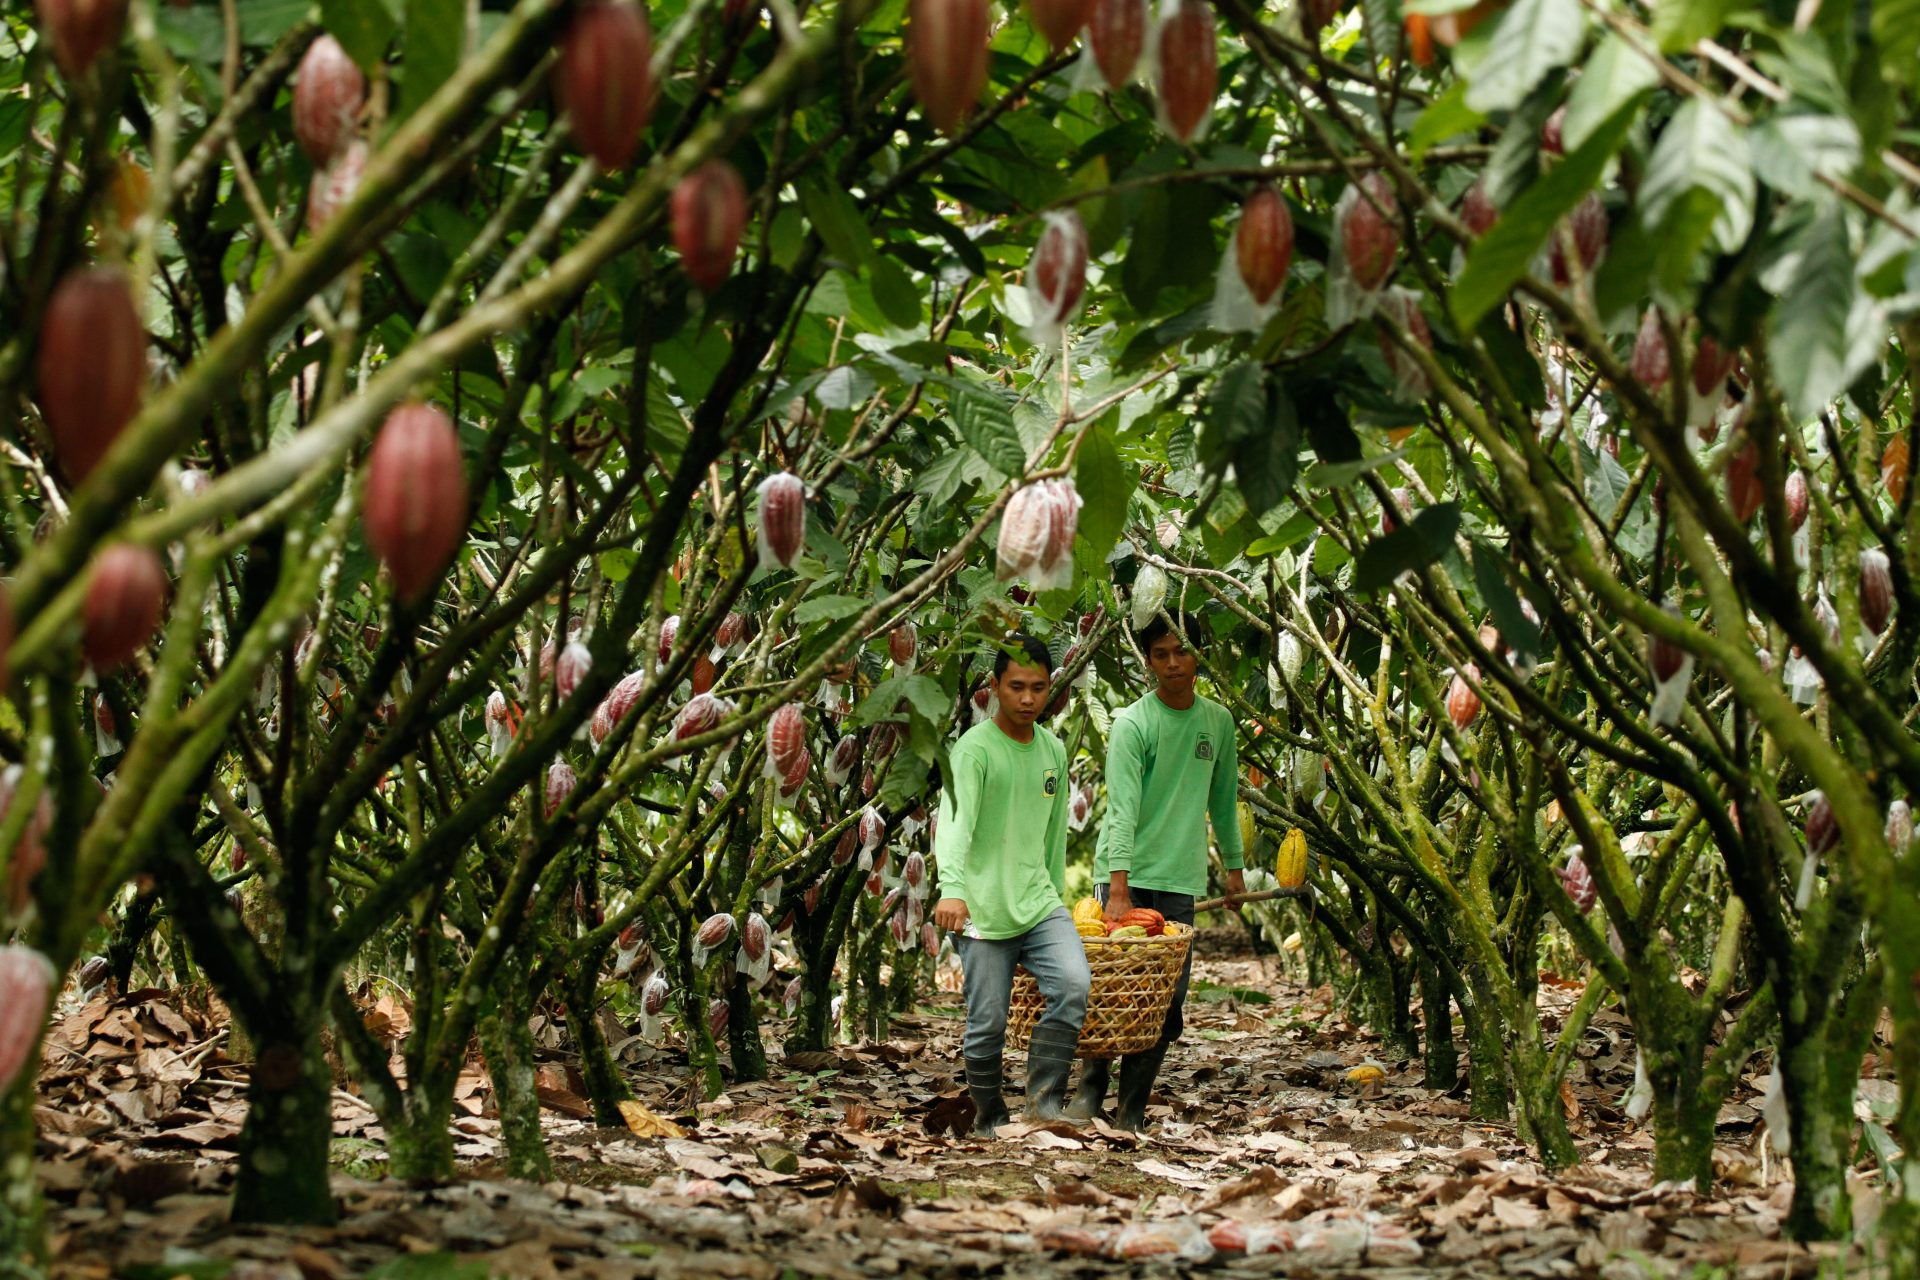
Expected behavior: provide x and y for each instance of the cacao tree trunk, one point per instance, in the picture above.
(284, 1144)
(1436, 1006)
(1683, 1115)
(507, 1041)
(606, 1088)
(420, 1146)
(743, 1032)
(1543, 1115)
(1489, 1096)
(23, 1241)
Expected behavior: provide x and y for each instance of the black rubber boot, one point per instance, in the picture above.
(1092, 1093)
(989, 1109)
(1137, 1074)
(1049, 1067)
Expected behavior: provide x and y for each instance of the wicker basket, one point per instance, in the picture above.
(1133, 982)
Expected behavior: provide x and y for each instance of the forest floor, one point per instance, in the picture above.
(846, 1165)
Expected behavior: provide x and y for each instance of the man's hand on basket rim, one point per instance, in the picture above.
(950, 914)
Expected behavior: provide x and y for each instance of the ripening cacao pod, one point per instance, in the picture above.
(1651, 364)
(794, 776)
(1899, 827)
(1402, 501)
(1587, 227)
(572, 666)
(783, 519)
(80, 30)
(335, 185)
(1369, 238)
(621, 699)
(703, 674)
(1025, 529)
(914, 871)
(1797, 498)
(903, 642)
(897, 926)
(873, 829)
(1063, 522)
(1057, 275)
(847, 846)
(125, 599)
(1410, 378)
(845, 759)
(415, 505)
(1577, 880)
(604, 79)
(26, 989)
(717, 1017)
(1552, 136)
(91, 365)
(1117, 35)
(1079, 809)
(1744, 491)
(1823, 832)
(702, 713)
(715, 930)
(1188, 67)
(947, 58)
(1664, 657)
(930, 940)
(786, 737)
(790, 1001)
(668, 630)
(93, 974)
(1876, 590)
(1290, 864)
(1263, 243)
(730, 631)
(709, 214)
(1059, 20)
(328, 93)
(1893, 469)
(1477, 211)
(756, 937)
(1463, 700)
(653, 997)
(1711, 365)
(560, 784)
(810, 900)
(630, 937)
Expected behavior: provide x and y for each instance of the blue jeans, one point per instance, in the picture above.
(1052, 952)
(1174, 906)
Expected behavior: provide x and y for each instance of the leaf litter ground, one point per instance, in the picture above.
(848, 1164)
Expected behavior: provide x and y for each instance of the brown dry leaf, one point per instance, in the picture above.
(645, 1124)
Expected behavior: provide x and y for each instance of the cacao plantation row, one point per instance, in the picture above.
(517, 502)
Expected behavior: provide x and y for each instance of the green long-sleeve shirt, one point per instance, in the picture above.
(1002, 843)
(1166, 771)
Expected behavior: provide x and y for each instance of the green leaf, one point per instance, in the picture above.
(1237, 406)
(1533, 38)
(364, 28)
(1793, 152)
(827, 608)
(895, 292)
(1500, 258)
(436, 30)
(1516, 628)
(837, 220)
(1680, 24)
(1815, 339)
(1421, 542)
(1615, 75)
(1338, 475)
(1447, 117)
(1896, 30)
(922, 693)
(986, 423)
(1105, 484)
(1701, 149)
(1266, 462)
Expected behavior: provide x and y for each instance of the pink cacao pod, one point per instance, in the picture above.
(902, 643)
(1188, 66)
(794, 776)
(1664, 657)
(80, 30)
(930, 940)
(1369, 238)
(1117, 35)
(786, 737)
(1744, 492)
(1876, 590)
(731, 629)
(756, 937)
(873, 829)
(1059, 20)
(1263, 243)
(702, 713)
(1797, 498)
(415, 506)
(1587, 225)
(335, 185)
(847, 846)
(709, 214)
(1057, 275)
(653, 997)
(1712, 364)
(604, 80)
(897, 926)
(1063, 522)
(668, 630)
(845, 759)
(1025, 529)
(947, 58)
(1899, 827)
(1823, 832)
(560, 784)
(717, 1013)
(783, 519)
(126, 597)
(630, 937)
(704, 673)
(715, 930)
(1578, 882)
(1477, 211)
(914, 872)
(1463, 701)
(622, 698)
(91, 365)
(571, 668)
(1651, 365)
(810, 900)
(26, 989)
(790, 1001)
(327, 96)
(1552, 133)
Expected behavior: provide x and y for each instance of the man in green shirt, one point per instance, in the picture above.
(1001, 855)
(1172, 761)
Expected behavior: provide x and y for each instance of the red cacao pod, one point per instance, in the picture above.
(1552, 139)
(790, 1000)
(873, 829)
(756, 937)
(847, 846)
(1477, 211)
(1463, 700)
(1578, 882)
(709, 214)
(731, 629)
(930, 940)
(702, 713)
(1823, 832)
(1368, 235)
(630, 937)
(1664, 657)
(947, 58)
(1057, 275)
(1893, 468)
(1117, 35)
(80, 30)
(794, 776)
(327, 96)
(92, 366)
(622, 698)
(125, 600)
(1876, 590)
(1712, 363)
(1263, 243)
(704, 673)
(416, 497)
(334, 186)
(668, 630)
(786, 737)
(653, 997)
(1744, 492)
(27, 981)
(1402, 501)
(1797, 498)
(715, 930)
(1059, 20)
(560, 784)
(845, 759)
(717, 1014)
(914, 871)
(1188, 67)
(604, 79)
(1651, 364)
(783, 519)
(1587, 227)
(903, 642)
(571, 668)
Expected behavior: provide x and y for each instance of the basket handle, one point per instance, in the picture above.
(1264, 895)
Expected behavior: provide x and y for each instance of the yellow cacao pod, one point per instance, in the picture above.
(1088, 929)
(1089, 911)
(1248, 829)
(1290, 868)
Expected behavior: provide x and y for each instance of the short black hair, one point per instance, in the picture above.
(1192, 626)
(1032, 647)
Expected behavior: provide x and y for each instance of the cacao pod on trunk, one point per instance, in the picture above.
(1712, 364)
(415, 505)
(1823, 832)
(1117, 35)
(1188, 67)
(604, 79)
(27, 983)
(947, 58)
(903, 642)
(328, 93)
(704, 673)
(1587, 226)
(756, 937)
(560, 784)
(1578, 882)
(783, 519)
(1797, 498)
(715, 930)
(1651, 364)
(1876, 590)
(668, 630)
(1463, 700)
(717, 1014)
(80, 30)
(1477, 210)
(709, 215)
(786, 738)
(1369, 237)
(702, 713)
(1025, 528)
(1290, 864)
(1744, 491)
(1057, 275)
(575, 661)
(126, 597)
(1059, 20)
(1263, 243)
(335, 185)
(91, 366)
